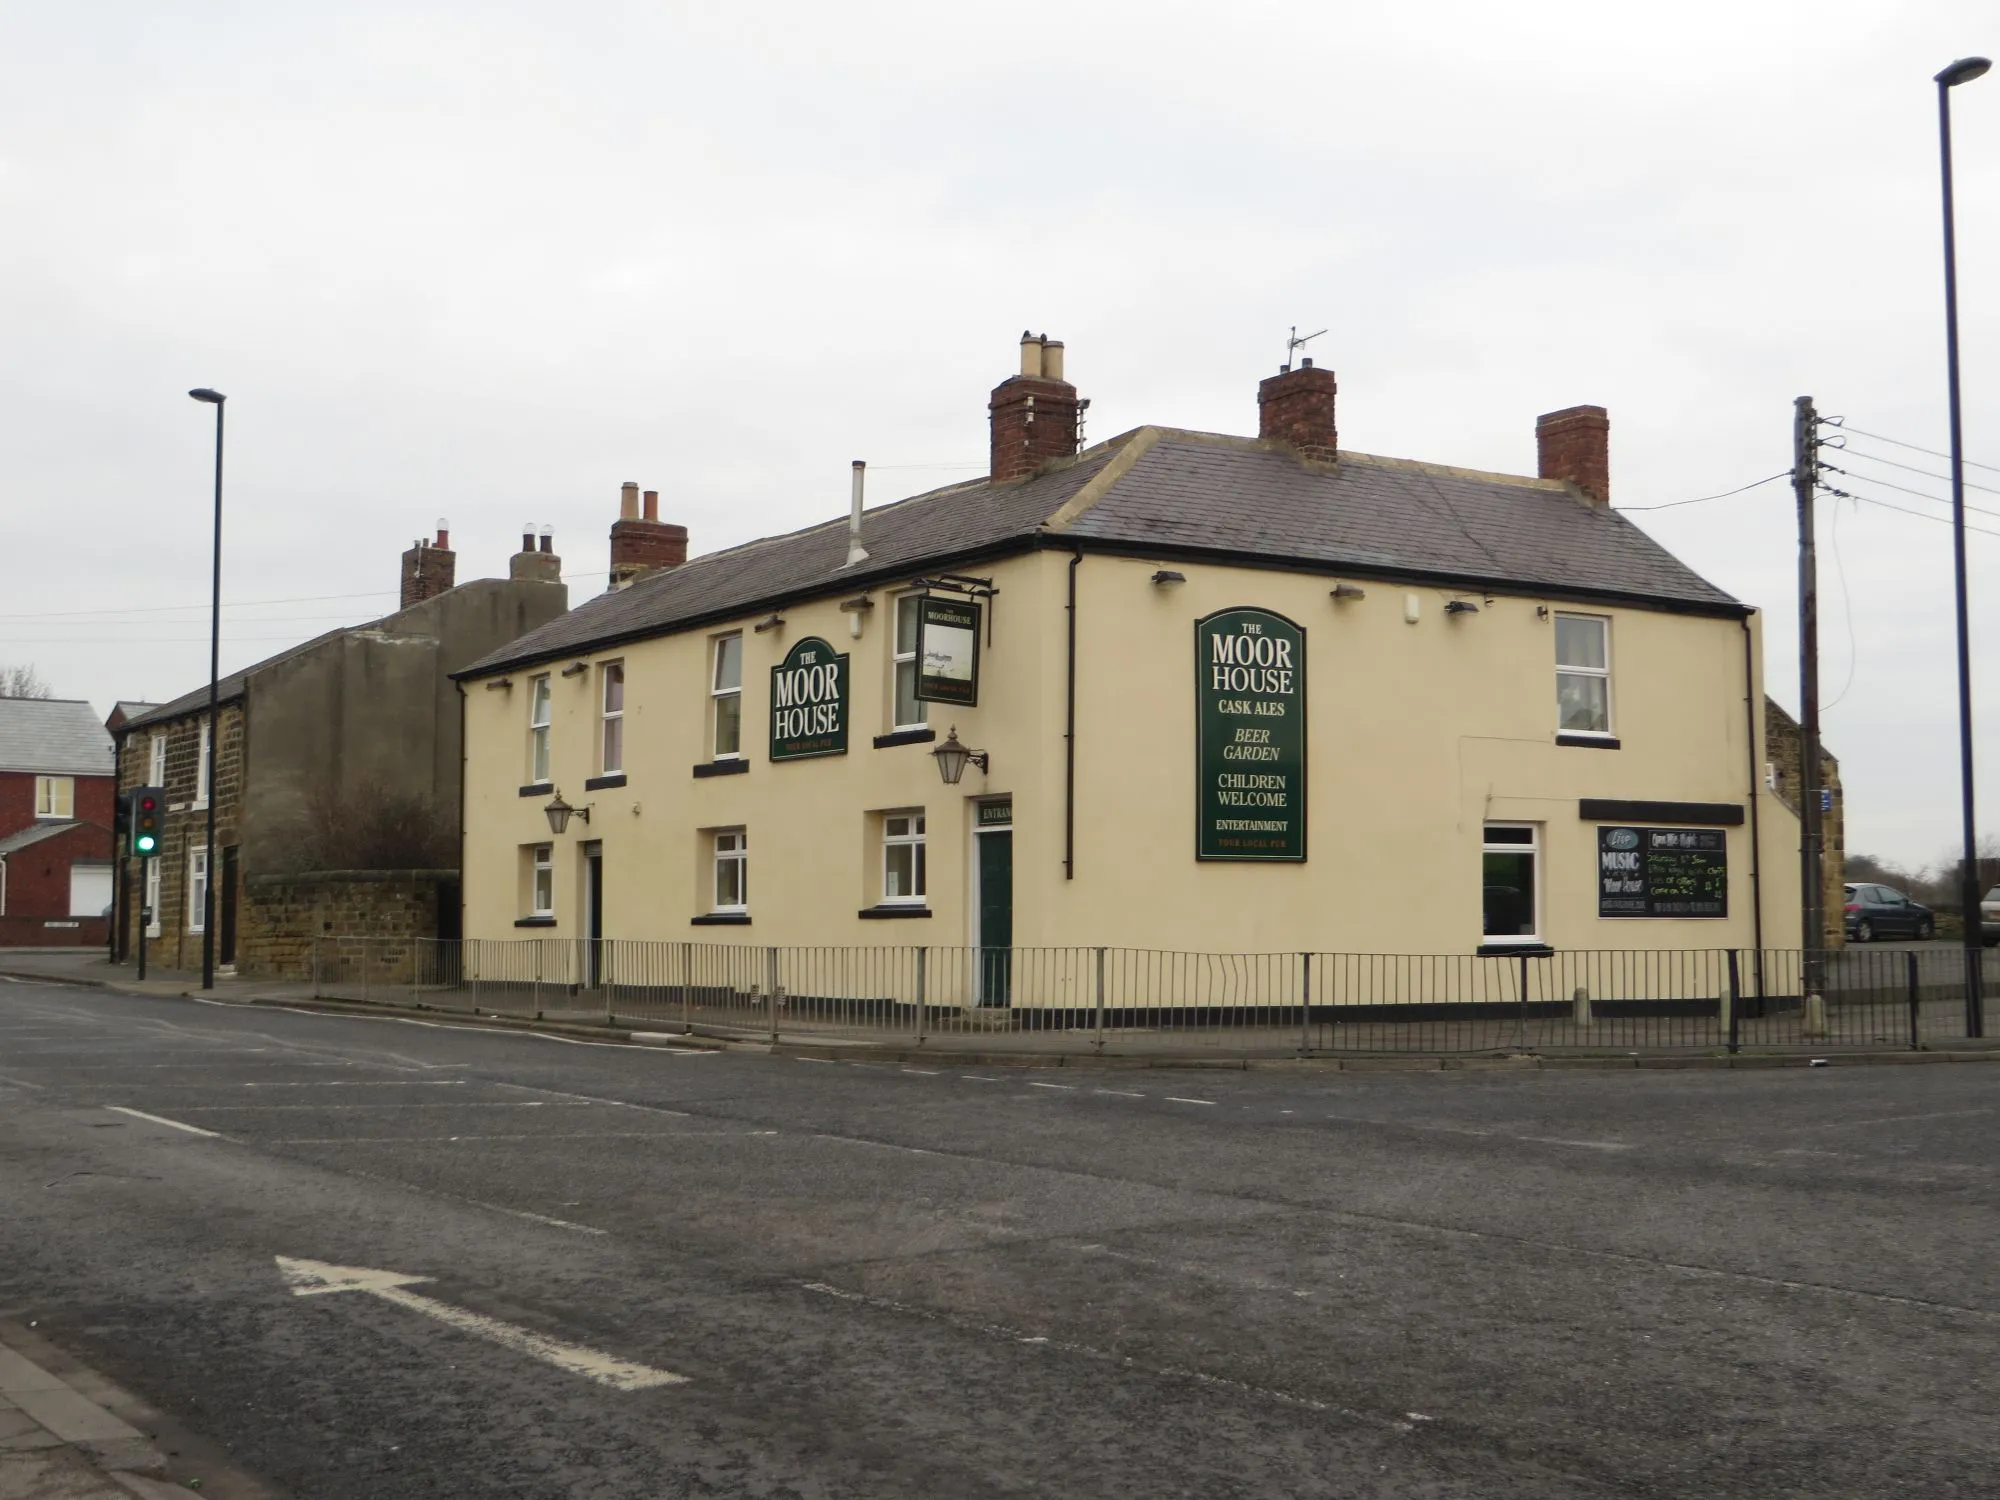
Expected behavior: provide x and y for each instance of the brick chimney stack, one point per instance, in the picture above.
(428, 567)
(531, 562)
(1296, 407)
(643, 544)
(1036, 415)
(1575, 444)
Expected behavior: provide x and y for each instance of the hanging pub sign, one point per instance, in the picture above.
(1662, 872)
(948, 650)
(1250, 717)
(809, 702)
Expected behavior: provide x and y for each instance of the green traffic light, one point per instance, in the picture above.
(145, 843)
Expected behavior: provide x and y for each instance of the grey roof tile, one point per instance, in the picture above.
(1179, 490)
(57, 736)
(34, 833)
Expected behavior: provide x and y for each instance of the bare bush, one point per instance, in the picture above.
(23, 682)
(374, 826)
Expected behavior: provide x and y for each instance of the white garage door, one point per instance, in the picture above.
(89, 889)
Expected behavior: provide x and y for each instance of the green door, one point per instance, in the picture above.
(996, 916)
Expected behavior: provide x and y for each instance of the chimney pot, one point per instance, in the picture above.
(628, 501)
(1036, 415)
(1574, 445)
(428, 570)
(652, 500)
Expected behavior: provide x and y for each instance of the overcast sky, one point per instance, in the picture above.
(487, 260)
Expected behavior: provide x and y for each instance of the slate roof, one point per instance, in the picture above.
(54, 736)
(34, 833)
(1165, 493)
(230, 688)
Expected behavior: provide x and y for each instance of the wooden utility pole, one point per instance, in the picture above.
(1812, 902)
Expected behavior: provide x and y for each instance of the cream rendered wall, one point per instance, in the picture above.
(1418, 734)
(814, 852)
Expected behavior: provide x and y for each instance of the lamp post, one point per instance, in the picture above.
(215, 399)
(1963, 71)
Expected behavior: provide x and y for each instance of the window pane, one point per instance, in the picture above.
(728, 662)
(614, 690)
(1579, 641)
(908, 709)
(728, 724)
(729, 882)
(1583, 703)
(614, 745)
(906, 624)
(898, 871)
(1499, 835)
(1510, 894)
(918, 884)
(896, 827)
(538, 702)
(539, 743)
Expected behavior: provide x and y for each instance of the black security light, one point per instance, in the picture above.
(773, 621)
(1168, 575)
(560, 812)
(1349, 591)
(952, 756)
(1461, 607)
(576, 669)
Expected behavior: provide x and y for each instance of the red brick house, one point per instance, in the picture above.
(56, 800)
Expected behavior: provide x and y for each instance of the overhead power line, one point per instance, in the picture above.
(1921, 515)
(1913, 447)
(1875, 458)
(1906, 490)
(1704, 499)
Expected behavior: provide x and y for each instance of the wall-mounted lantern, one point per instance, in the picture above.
(952, 756)
(560, 812)
(1167, 576)
(1461, 607)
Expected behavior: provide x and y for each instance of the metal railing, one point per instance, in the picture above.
(1129, 1001)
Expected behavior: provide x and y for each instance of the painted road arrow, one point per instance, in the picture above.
(313, 1278)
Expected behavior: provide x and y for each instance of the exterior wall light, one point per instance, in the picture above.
(499, 683)
(1348, 591)
(560, 812)
(576, 669)
(1461, 607)
(769, 622)
(952, 756)
(1168, 576)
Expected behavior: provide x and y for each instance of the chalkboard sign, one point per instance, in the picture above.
(1662, 872)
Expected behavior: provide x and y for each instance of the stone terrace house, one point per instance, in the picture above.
(1520, 721)
(56, 803)
(329, 753)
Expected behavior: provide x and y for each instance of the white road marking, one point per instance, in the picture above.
(1556, 1140)
(522, 1213)
(311, 1278)
(363, 1083)
(849, 1140)
(21, 1083)
(1177, 1099)
(1943, 1114)
(813, 1059)
(140, 1114)
(651, 1109)
(380, 1104)
(977, 1078)
(1120, 1093)
(1067, 1086)
(406, 1140)
(922, 1072)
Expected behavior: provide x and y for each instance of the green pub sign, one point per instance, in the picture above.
(809, 702)
(1250, 717)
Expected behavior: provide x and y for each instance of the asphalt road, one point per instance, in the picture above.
(883, 1281)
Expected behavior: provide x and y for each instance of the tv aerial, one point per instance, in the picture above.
(1295, 343)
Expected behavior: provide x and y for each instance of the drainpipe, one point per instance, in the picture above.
(1756, 783)
(1069, 734)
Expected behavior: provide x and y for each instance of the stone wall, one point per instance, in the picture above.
(1782, 753)
(283, 917)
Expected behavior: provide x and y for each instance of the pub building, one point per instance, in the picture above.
(1177, 690)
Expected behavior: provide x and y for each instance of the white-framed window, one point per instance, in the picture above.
(156, 764)
(151, 900)
(911, 712)
(538, 729)
(903, 874)
(1583, 674)
(1511, 874)
(201, 769)
(611, 753)
(732, 870)
(197, 919)
(55, 796)
(725, 688)
(541, 880)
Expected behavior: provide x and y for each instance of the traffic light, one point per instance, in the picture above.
(147, 814)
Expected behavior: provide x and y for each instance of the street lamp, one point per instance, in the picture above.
(1963, 71)
(216, 400)
(952, 757)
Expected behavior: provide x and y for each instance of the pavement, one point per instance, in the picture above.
(369, 1257)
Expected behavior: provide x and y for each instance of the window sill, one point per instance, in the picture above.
(536, 788)
(603, 783)
(905, 737)
(891, 910)
(1514, 948)
(721, 919)
(734, 767)
(1589, 741)
(534, 921)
